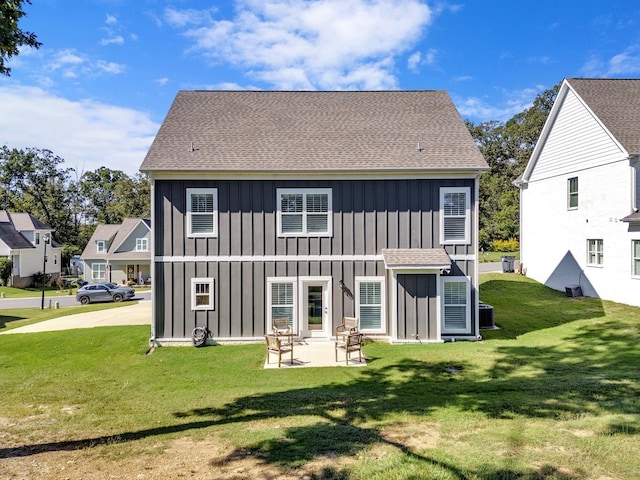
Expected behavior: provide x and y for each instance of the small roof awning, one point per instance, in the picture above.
(633, 218)
(416, 258)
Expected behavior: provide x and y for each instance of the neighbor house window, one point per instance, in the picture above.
(202, 294)
(456, 314)
(572, 193)
(635, 257)
(370, 309)
(282, 299)
(142, 244)
(455, 215)
(37, 238)
(595, 252)
(99, 271)
(101, 246)
(304, 212)
(202, 212)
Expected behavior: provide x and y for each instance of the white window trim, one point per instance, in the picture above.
(577, 193)
(214, 192)
(383, 300)
(93, 271)
(633, 260)
(601, 255)
(142, 244)
(305, 192)
(101, 246)
(467, 209)
(211, 304)
(296, 317)
(467, 328)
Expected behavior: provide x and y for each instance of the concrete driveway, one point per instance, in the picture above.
(136, 314)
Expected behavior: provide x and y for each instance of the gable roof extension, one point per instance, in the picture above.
(615, 103)
(12, 223)
(314, 132)
(114, 235)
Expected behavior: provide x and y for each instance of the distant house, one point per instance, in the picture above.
(119, 253)
(580, 192)
(313, 206)
(22, 239)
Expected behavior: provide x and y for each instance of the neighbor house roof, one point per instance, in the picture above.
(616, 102)
(13, 223)
(114, 235)
(275, 131)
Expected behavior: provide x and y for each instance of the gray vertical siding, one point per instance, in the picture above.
(368, 215)
(417, 308)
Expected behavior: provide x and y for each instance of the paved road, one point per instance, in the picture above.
(494, 267)
(64, 301)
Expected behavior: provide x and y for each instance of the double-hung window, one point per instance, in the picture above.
(101, 246)
(202, 212)
(595, 252)
(635, 258)
(304, 212)
(572, 193)
(455, 215)
(99, 271)
(142, 244)
(370, 307)
(456, 313)
(202, 294)
(282, 299)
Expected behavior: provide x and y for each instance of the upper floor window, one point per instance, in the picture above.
(635, 258)
(304, 212)
(455, 215)
(572, 193)
(142, 244)
(101, 246)
(595, 252)
(37, 238)
(202, 212)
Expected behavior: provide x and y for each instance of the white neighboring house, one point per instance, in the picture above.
(580, 192)
(22, 239)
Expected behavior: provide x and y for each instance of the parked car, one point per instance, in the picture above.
(103, 292)
(79, 282)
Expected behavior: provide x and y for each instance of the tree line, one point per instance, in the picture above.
(72, 203)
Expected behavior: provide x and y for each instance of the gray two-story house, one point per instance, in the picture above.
(314, 206)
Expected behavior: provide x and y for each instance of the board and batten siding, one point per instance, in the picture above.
(367, 216)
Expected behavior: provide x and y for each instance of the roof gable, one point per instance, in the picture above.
(254, 131)
(114, 235)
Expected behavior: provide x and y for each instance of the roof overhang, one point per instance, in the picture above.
(633, 218)
(423, 259)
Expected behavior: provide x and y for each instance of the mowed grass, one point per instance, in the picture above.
(553, 394)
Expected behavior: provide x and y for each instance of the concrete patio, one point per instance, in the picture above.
(314, 353)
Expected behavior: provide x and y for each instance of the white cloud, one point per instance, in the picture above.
(114, 40)
(511, 103)
(162, 81)
(625, 63)
(297, 44)
(86, 134)
(111, 20)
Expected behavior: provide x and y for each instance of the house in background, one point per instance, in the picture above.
(119, 253)
(22, 240)
(314, 206)
(580, 192)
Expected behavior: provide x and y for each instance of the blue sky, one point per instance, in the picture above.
(97, 90)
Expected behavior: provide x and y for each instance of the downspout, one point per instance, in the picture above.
(634, 163)
(152, 267)
(476, 273)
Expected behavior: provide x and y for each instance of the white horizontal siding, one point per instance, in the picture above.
(576, 142)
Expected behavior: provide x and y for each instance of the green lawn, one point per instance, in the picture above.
(496, 256)
(553, 394)
(10, 292)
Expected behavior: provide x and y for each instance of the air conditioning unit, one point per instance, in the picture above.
(573, 291)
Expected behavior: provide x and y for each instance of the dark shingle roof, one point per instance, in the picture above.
(12, 238)
(616, 102)
(312, 131)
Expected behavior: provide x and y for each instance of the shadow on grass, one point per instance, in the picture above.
(592, 370)
(521, 306)
(5, 319)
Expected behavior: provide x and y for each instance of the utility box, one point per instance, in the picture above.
(486, 317)
(573, 290)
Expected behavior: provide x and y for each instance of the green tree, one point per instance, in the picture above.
(11, 36)
(6, 265)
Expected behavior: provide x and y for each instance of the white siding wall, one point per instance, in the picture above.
(553, 238)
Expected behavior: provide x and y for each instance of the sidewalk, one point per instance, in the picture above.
(137, 314)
